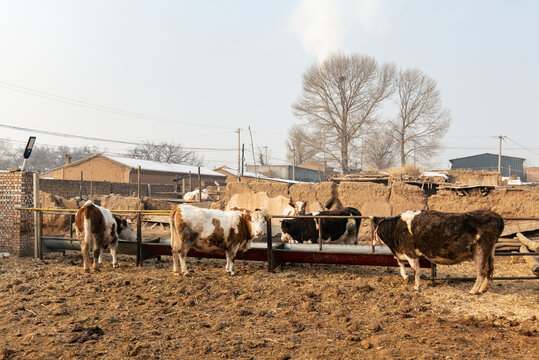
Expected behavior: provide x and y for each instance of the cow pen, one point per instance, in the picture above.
(275, 254)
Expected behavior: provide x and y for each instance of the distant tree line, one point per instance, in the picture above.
(356, 112)
(45, 158)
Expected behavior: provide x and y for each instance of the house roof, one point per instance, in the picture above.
(489, 154)
(163, 167)
(147, 165)
(254, 176)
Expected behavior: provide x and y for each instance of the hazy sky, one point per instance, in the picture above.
(198, 70)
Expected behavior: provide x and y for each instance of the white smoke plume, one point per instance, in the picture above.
(322, 25)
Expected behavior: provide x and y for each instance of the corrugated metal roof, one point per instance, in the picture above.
(164, 167)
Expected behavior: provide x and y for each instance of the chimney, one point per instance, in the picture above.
(68, 159)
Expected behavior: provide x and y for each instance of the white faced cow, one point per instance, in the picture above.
(295, 208)
(209, 230)
(98, 229)
(443, 238)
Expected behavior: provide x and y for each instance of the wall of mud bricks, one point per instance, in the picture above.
(16, 226)
(71, 188)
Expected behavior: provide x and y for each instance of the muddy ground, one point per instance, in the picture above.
(51, 310)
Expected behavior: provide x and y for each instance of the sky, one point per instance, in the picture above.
(192, 72)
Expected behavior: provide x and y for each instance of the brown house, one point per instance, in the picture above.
(122, 169)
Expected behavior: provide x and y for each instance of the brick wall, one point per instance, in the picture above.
(71, 188)
(16, 226)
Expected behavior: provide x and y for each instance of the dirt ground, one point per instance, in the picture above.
(52, 310)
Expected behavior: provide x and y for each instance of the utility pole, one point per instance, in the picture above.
(242, 157)
(253, 149)
(294, 165)
(238, 131)
(500, 155)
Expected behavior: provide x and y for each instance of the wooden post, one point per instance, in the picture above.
(270, 246)
(138, 182)
(139, 240)
(149, 190)
(319, 234)
(37, 240)
(199, 186)
(80, 190)
(190, 181)
(183, 187)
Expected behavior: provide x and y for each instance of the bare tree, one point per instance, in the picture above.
(340, 99)
(299, 140)
(43, 158)
(421, 121)
(167, 153)
(380, 149)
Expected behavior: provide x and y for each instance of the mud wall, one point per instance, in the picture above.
(373, 199)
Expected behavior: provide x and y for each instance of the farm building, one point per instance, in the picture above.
(248, 176)
(122, 169)
(510, 165)
(287, 172)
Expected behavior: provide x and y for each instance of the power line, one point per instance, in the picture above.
(72, 136)
(97, 107)
(522, 146)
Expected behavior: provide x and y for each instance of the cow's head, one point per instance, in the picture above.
(258, 220)
(126, 231)
(300, 206)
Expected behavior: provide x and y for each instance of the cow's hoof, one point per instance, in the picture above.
(87, 271)
(406, 279)
(185, 273)
(416, 288)
(232, 273)
(176, 273)
(115, 266)
(97, 270)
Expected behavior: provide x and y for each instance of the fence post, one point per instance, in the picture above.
(138, 182)
(199, 186)
(319, 234)
(37, 239)
(270, 246)
(139, 240)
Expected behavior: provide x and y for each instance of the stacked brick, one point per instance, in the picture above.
(71, 188)
(16, 226)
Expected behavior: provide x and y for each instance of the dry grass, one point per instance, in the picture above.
(405, 170)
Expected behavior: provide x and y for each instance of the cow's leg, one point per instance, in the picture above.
(490, 271)
(84, 243)
(97, 254)
(481, 264)
(403, 271)
(182, 255)
(230, 256)
(100, 260)
(113, 253)
(414, 263)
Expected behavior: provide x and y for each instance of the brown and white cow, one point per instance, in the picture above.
(295, 208)
(98, 229)
(210, 230)
(443, 238)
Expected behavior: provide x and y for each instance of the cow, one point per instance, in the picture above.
(443, 238)
(295, 208)
(210, 230)
(333, 230)
(98, 229)
(194, 195)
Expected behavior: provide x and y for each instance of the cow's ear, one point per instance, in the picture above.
(247, 216)
(292, 204)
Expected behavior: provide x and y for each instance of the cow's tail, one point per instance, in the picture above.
(173, 230)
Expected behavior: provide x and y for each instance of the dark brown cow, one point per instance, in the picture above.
(98, 229)
(443, 238)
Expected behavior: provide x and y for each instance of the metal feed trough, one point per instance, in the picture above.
(274, 253)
